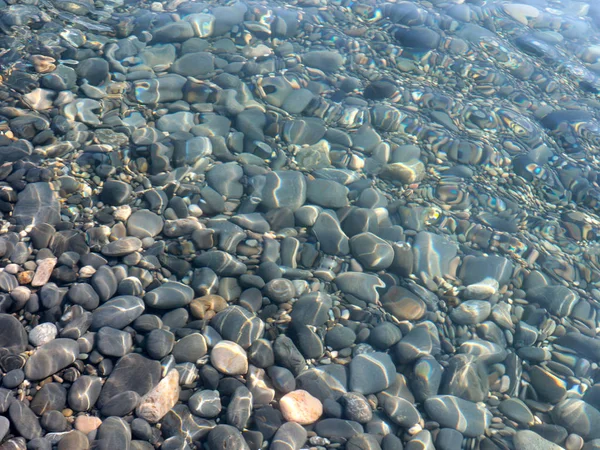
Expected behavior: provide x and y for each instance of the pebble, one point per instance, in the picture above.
(229, 358)
(461, 415)
(371, 373)
(300, 407)
(155, 404)
(50, 358)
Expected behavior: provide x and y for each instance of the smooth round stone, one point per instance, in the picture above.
(401, 412)
(73, 440)
(515, 409)
(54, 421)
(203, 24)
(118, 312)
(13, 378)
(122, 247)
(237, 324)
(283, 380)
(83, 294)
(340, 337)
(371, 373)
(357, 408)
(311, 309)
(284, 189)
(361, 285)
(229, 358)
(433, 254)
(144, 223)
(112, 434)
(385, 335)
(327, 193)
(113, 342)
(226, 436)
(37, 204)
(190, 348)
(300, 407)
(24, 420)
(173, 32)
(132, 372)
(159, 343)
(328, 61)
(84, 393)
(94, 70)
(196, 65)
(559, 300)
(50, 358)
(471, 312)
(530, 440)
(170, 295)
(280, 290)
(205, 403)
(260, 354)
(371, 251)
(51, 396)
(329, 233)
(577, 417)
(289, 436)
(403, 304)
(115, 193)
(13, 336)
(461, 415)
(448, 439)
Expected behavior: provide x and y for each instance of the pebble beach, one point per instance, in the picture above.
(303, 225)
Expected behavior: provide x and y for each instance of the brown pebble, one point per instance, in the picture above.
(87, 424)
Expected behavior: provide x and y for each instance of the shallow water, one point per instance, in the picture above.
(343, 224)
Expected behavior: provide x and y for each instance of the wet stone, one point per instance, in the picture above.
(548, 386)
(205, 403)
(13, 336)
(122, 247)
(471, 312)
(112, 342)
(132, 372)
(229, 358)
(115, 193)
(155, 404)
(144, 223)
(526, 439)
(327, 193)
(336, 429)
(515, 409)
(37, 204)
(51, 396)
(190, 348)
(169, 296)
(84, 393)
(118, 312)
(329, 233)
(50, 358)
(226, 435)
(284, 189)
(371, 251)
(238, 325)
(459, 414)
(403, 304)
(290, 435)
(329, 61)
(363, 286)
(24, 420)
(371, 373)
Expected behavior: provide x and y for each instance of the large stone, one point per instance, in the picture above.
(50, 358)
(37, 204)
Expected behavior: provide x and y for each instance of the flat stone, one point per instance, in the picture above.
(118, 312)
(122, 247)
(84, 392)
(530, 440)
(237, 324)
(577, 417)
